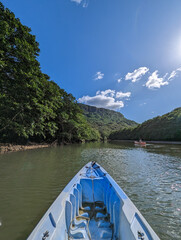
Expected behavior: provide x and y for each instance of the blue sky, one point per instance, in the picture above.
(121, 55)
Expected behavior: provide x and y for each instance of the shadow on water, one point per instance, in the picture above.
(31, 180)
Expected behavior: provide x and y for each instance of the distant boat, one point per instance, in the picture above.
(140, 143)
(93, 207)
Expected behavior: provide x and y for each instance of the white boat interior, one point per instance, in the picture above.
(92, 206)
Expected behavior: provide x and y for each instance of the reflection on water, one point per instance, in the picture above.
(31, 180)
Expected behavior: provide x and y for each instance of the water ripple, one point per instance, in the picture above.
(30, 181)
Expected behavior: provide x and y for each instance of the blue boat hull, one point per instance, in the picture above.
(93, 206)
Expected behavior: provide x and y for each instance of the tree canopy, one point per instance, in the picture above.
(31, 105)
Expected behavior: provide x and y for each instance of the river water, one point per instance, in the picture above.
(31, 180)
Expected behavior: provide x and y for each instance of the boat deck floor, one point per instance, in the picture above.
(99, 223)
(99, 233)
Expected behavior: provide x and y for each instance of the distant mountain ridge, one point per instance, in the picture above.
(166, 127)
(105, 120)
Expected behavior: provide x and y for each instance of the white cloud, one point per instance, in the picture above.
(155, 82)
(117, 77)
(107, 93)
(77, 1)
(98, 76)
(83, 3)
(174, 73)
(123, 95)
(102, 101)
(105, 99)
(137, 74)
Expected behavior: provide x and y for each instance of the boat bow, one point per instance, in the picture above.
(93, 206)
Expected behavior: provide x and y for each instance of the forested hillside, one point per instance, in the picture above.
(105, 120)
(166, 128)
(32, 107)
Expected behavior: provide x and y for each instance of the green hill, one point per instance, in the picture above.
(166, 128)
(104, 120)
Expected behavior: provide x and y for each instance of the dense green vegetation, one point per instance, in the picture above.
(104, 120)
(166, 128)
(32, 107)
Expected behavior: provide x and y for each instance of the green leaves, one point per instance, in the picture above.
(72, 125)
(32, 106)
(28, 99)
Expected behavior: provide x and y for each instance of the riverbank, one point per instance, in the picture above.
(151, 142)
(5, 148)
(14, 148)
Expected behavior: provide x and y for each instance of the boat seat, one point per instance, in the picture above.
(73, 232)
(104, 224)
(106, 234)
(99, 226)
(101, 215)
(97, 208)
(97, 233)
(79, 188)
(87, 208)
(77, 204)
(78, 220)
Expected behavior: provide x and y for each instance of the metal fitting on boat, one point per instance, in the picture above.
(45, 235)
(140, 235)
